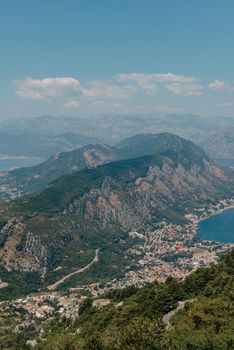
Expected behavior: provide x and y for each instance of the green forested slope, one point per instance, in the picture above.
(206, 323)
(97, 208)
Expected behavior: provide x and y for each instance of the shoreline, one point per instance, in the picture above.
(206, 215)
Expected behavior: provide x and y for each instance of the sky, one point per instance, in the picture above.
(83, 57)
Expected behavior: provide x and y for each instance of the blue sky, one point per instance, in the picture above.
(79, 57)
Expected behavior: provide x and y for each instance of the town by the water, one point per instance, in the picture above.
(168, 250)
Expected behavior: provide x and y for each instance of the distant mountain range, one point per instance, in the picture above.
(221, 144)
(111, 128)
(35, 178)
(165, 177)
(31, 179)
(40, 145)
(45, 136)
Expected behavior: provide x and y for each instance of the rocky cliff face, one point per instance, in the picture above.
(90, 208)
(22, 250)
(128, 206)
(32, 179)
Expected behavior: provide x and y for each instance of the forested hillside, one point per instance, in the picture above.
(97, 208)
(133, 320)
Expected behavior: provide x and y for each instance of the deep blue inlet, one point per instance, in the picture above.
(218, 228)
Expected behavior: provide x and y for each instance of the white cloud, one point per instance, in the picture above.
(217, 84)
(106, 89)
(149, 82)
(72, 103)
(157, 77)
(44, 89)
(226, 104)
(185, 89)
(143, 81)
(122, 86)
(221, 85)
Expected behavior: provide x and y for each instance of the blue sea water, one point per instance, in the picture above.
(13, 163)
(218, 227)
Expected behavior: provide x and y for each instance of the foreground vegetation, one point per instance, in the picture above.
(133, 319)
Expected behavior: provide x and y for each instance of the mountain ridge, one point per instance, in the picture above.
(96, 208)
(35, 178)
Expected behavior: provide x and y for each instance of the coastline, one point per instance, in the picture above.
(212, 211)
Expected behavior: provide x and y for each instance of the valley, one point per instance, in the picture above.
(126, 218)
(83, 269)
(36, 319)
(117, 175)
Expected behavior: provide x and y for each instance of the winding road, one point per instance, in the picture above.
(166, 318)
(56, 284)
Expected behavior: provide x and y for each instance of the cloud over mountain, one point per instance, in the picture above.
(44, 89)
(74, 93)
(120, 86)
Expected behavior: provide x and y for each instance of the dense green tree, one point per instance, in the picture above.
(205, 323)
(141, 333)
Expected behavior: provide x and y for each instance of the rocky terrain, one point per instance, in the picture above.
(62, 225)
(26, 180)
